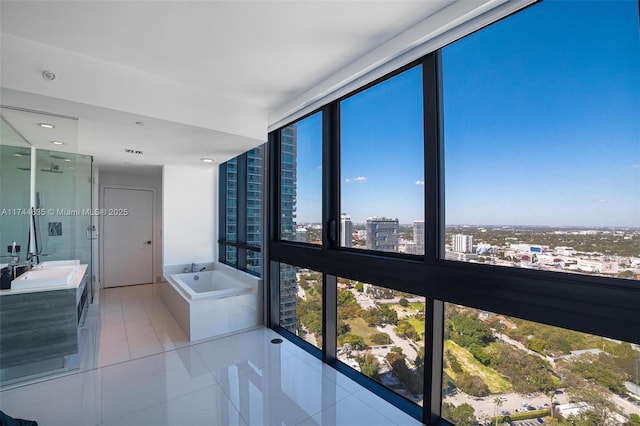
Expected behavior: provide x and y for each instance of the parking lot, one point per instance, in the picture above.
(532, 422)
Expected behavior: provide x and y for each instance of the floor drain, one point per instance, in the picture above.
(276, 341)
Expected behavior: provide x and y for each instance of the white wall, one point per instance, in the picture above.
(190, 218)
(143, 178)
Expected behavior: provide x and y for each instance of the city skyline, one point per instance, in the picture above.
(543, 139)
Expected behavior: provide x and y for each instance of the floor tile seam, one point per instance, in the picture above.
(144, 305)
(156, 404)
(178, 395)
(245, 420)
(216, 338)
(261, 369)
(40, 380)
(253, 365)
(212, 373)
(161, 340)
(119, 362)
(322, 371)
(316, 413)
(337, 401)
(133, 334)
(391, 421)
(355, 394)
(149, 314)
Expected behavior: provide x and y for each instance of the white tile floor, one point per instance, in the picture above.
(149, 374)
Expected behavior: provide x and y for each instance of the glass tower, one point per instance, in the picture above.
(288, 281)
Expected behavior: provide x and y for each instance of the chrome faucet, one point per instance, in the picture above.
(15, 265)
(197, 268)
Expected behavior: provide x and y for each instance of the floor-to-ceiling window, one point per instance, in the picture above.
(240, 221)
(477, 241)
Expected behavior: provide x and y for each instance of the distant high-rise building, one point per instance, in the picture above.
(302, 235)
(462, 243)
(418, 236)
(346, 230)
(382, 233)
(288, 281)
(254, 207)
(231, 215)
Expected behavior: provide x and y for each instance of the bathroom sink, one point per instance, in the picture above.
(44, 278)
(57, 264)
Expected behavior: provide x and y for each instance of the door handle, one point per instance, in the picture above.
(148, 242)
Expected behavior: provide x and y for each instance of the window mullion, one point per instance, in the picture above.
(434, 213)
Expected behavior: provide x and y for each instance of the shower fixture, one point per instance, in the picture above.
(54, 168)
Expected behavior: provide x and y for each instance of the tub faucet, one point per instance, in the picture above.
(197, 268)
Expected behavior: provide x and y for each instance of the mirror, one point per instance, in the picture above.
(59, 185)
(15, 167)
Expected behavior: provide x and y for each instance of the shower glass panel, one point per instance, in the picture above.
(63, 191)
(14, 199)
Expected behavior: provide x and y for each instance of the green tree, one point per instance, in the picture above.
(602, 409)
(466, 330)
(381, 338)
(464, 415)
(369, 366)
(528, 373)
(584, 418)
(634, 420)
(627, 274)
(348, 306)
(497, 403)
(406, 330)
(603, 369)
(343, 327)
(309, 313)
(359, 287)
(410, 380)
(471, 384)
(356, 342)
(403, 302)
(453, 362)
(380, 315)
(396, 350)
(447, 410)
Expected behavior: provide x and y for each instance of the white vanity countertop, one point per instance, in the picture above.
(74, 283)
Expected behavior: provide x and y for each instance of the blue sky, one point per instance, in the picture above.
(309, 170)
(541, 127)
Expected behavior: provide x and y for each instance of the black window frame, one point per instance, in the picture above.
(603, 306)
(240, 244)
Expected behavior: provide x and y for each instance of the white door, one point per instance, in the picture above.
(127, 237)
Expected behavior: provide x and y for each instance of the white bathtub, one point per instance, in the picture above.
(214, 302)
(209, 284)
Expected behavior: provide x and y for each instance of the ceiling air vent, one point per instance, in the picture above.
(133, 151)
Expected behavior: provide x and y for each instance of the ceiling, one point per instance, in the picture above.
(202, 76)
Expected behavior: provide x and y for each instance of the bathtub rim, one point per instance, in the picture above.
(192, 296)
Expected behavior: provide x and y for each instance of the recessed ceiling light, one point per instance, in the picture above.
(139, 123)
(68, 160)
(207, 160)
(57, 142)
(46, 125)
(17, 154)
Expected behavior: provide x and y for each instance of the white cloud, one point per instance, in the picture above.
(635, 166)
(356, 179)
(419, 182)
